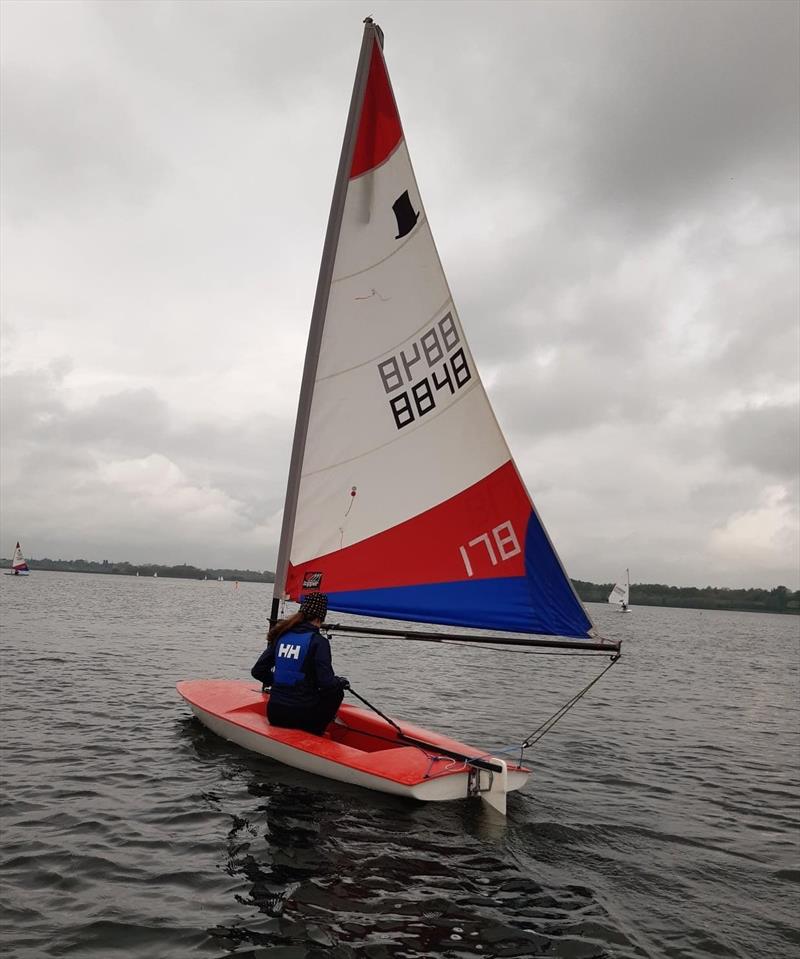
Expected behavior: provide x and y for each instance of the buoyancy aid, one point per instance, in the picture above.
(291, 651)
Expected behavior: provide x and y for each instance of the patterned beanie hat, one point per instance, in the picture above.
(314, 606)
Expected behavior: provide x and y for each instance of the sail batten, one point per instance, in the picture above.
(395, 509)
(366, 269)
(379, 356)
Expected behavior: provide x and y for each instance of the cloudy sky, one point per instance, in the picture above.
(613, 188)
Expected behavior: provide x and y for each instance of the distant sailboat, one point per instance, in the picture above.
(18, 565)
(621, 593)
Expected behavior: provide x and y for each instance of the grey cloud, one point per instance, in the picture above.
(211, 50)
(132, 422)
(75, 141)
(708, 95)
(721, 498)
(767, 439)
(636, 113)
(55, 453)
(612, 187)
(563, 397)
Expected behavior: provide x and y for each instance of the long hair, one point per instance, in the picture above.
(284, 625)
(314, 606)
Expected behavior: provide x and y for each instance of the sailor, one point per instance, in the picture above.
(305, 693)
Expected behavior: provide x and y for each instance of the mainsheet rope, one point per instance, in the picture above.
(374, 709)
(428, 751)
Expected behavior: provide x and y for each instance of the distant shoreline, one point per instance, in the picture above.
(755, 600)
(183, 571)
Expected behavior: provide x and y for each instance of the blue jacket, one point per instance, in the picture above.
(297, 667)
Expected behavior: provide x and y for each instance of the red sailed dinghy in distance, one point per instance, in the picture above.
(403, 501)
(18, 565)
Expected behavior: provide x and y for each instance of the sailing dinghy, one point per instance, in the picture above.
(403, 501)
(18, 565)
(621, 593)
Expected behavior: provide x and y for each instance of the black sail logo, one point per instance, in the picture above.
(405, 215)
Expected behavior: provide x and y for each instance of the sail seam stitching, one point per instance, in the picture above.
(391, 349)
(412, 235)
(400, 436)
(383, 162)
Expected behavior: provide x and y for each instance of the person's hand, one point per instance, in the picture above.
(344, 682)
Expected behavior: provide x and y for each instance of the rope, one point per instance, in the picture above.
(430, 753)
(548, 724)
(375, 710)
(533, 737)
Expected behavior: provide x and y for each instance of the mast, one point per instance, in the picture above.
(372, 34)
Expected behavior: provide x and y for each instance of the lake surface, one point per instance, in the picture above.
(661, 818)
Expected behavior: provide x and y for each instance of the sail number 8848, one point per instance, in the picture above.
(440, 356)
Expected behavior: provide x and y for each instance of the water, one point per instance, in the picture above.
(661, 819)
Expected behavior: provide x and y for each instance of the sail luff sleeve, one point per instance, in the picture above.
(370, 37)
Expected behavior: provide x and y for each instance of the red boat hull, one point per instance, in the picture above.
(358, 747)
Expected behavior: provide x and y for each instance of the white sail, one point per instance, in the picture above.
(403, 499)
(18, 563)
(620, 594)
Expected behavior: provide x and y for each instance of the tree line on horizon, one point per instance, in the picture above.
(757, 600)
(182, 571)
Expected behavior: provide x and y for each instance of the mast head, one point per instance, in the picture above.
(369, 22)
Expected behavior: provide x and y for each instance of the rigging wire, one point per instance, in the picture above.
(540, 730)
(548, 724)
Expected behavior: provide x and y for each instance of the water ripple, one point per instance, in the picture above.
(660, 819)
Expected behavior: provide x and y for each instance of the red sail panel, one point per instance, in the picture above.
(379, 129)
(477, 534)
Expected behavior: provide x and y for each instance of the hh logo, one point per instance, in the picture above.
(312, 580)
(287, 651)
